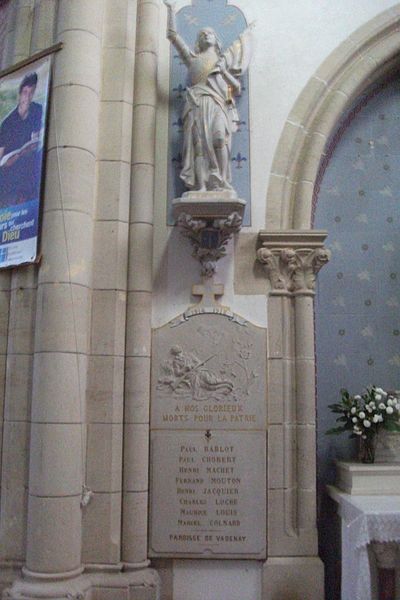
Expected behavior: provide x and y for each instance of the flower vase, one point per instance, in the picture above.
(367, 449)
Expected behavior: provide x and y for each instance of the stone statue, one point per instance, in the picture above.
(210, 116)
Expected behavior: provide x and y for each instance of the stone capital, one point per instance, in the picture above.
(292, 260)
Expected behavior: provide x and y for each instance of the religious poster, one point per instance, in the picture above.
(23, 109)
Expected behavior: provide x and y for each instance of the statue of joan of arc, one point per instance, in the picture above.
(210, 116)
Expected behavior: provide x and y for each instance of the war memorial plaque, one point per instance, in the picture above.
(208, 439)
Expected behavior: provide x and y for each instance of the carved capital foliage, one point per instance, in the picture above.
(292, 260)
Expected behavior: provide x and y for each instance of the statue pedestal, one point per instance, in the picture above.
(208, 205)
(209, 219)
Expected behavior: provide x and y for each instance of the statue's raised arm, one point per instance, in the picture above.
(209, 116)
(173, 36)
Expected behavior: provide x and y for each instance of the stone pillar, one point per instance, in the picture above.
(138, 332)
(62, 322)
(105, 386)
(19, 315)
(292, 260)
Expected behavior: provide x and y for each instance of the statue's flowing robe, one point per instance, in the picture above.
(210, 110)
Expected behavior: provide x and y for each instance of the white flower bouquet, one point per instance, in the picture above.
(363, 416)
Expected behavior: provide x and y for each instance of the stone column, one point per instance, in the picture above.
(62, 325)
(19, 315)
(292, 260)
(138, 328)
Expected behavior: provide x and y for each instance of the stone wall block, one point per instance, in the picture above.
(104, 457)
(58, 388)
(136, 450)
(305, 327)
(313, 154)
(66, 247)
(118, 69)
(120, 16)
(75, 14)
(13, 490)
(43, 25)
(101, 520)
(26, 277)
(145, 75)
(275, 327)
(17, 406)
(4, 316)
(353, 80)
(275, 385)
(335, 104)
(47, 553)
(22, 320)
(304, 200)
(282, 538)
(142, 178)
(291, 138)
(113, 191)
(56, 459)
(308, 97)
(105, 389)
(13, 510)
(23, 31)
(276, 457)
(111, 261)
(143, 135)
(289, 391)
(134, 528)
(139, 321)
(137, 389)
(62, 312)
(305, 391)
(147, 32)
(279, 186)
(72, 127)
(70, 178)
(306, 456)
(307, 499)
(108, 322)
(141, 249)
(115, 131)
(294, 578)
(70, 68)
(15, 455)
(289, 457)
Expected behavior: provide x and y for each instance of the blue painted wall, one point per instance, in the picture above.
(358, 296)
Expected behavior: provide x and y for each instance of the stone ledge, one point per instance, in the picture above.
(368, 479)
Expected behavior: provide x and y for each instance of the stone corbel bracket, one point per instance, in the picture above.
(209, 224)
(292, 260)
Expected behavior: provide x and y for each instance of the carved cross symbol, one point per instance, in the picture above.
(208, 292)
(208, 434)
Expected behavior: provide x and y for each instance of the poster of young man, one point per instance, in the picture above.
(23, 107)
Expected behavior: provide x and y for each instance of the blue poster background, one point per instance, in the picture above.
(21, 184)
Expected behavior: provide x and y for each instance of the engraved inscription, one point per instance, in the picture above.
(216, 494)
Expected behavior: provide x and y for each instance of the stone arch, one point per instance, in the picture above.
(367, 55)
